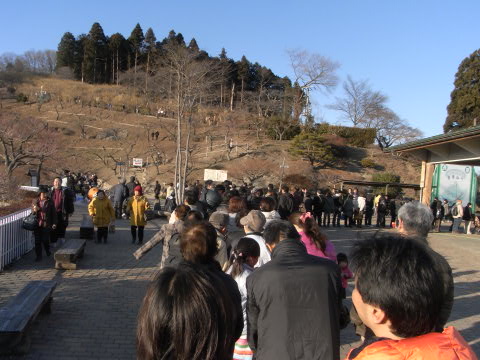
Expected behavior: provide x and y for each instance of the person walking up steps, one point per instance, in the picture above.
(137, 205)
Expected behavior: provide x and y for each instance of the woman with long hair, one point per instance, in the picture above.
(241, 264)
(186, 314)
(315, 241)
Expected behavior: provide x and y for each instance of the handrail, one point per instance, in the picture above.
(14, 240)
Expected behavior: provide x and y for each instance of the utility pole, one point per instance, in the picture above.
(283, 166)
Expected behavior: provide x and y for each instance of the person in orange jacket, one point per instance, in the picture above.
(398, 295)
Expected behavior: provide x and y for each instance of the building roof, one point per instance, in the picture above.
(459, 147)
(437, 139)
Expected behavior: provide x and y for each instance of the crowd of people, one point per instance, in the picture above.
(252, 276)
(456, 214)
(249, 274)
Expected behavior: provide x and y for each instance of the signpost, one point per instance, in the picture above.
(137, 162)
(215, 175)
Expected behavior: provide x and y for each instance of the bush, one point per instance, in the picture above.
(387, 178)
(359, 137)
(21, 97)
(368, 163)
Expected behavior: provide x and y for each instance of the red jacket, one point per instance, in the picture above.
(448, 345)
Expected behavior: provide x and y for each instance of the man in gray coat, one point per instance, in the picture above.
(119, 193)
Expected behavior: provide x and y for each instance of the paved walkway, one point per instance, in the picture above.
(95, 307)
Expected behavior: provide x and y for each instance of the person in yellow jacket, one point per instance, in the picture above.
(102, 212)
(137, 205)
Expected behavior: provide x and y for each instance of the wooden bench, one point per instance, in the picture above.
(66, 257)
(86, 228)
(20, 312)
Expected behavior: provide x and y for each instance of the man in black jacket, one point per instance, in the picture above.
(131, 185)
(63, 199)
(293, 301)
(285, 203)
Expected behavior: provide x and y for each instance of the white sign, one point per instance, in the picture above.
(137, 162)
(215, 175)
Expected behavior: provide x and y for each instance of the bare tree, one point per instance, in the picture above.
(251, 170)
(24, 142)
(192, 79)
(313, 72)
(391, 129)
(360, 103)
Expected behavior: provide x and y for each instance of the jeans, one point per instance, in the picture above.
(456, 224)
(42, 237)
(134, 233)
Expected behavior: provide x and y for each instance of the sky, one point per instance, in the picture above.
(408, 49)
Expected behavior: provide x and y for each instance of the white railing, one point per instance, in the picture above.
(14, 240)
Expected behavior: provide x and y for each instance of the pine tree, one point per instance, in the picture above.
(223, 54)
(95, 55)
(79, 56)
(243, 67)
(150, 49)
(66, 51)
(193, 46)
(464, 106)
(136, 40)
(119, 53)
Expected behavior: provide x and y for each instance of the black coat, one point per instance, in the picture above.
(285, 205)
(68, 199)
(293, 306)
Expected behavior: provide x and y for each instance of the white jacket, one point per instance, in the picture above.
(242, 287)
(264, 252)
(359, 203)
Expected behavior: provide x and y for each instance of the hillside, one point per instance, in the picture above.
(98, 125)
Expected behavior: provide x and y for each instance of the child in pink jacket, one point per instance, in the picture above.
(314, 240)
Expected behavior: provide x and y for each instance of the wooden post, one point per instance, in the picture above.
(426, 181)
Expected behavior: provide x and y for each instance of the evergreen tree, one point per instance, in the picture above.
(150, 49)
(464, 105)
(136, 41)
(223, 54)
(79, 56)
(243, 68)
(180, 40)
(313, 147)
(66, 51)
(193, 46)
(119, 53)
(95, 55)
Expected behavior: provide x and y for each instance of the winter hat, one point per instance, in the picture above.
(255, 220)
(218, 219)
(139, 189)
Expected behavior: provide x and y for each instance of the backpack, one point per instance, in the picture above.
(455, 210)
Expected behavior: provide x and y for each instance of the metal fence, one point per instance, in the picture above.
(14, 240)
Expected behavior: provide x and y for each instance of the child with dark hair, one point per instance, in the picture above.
(187, 314)
(241, 264)
(399, 294)
(315, 241)
(345, 273)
